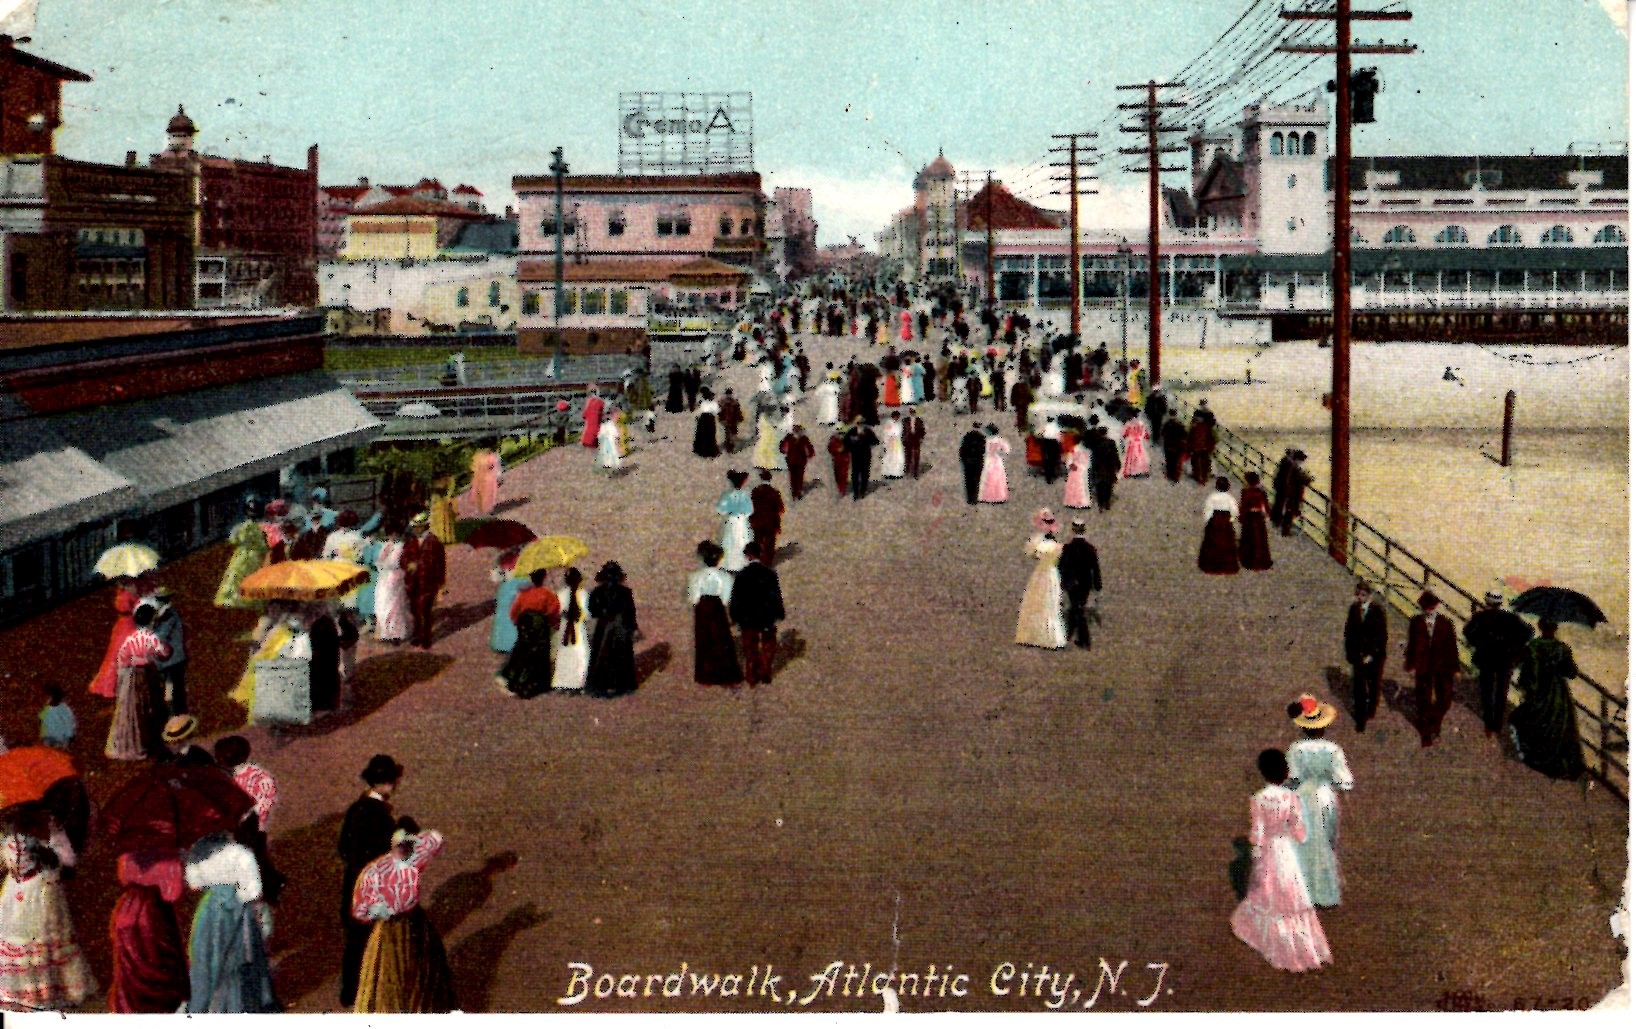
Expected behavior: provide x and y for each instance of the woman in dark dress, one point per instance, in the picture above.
(1545, 725)
(527, 672)
(612, 672)
(674, 402)
(715, 657)
(1254, 552)
(704, 429)
(1218, 554)
(325, 669)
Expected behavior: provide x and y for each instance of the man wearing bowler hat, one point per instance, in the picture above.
(366, 834)
(1365, 644)
(1433, 656)
(1498, 640)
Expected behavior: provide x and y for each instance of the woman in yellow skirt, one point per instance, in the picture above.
(443, 511)
(405, 968)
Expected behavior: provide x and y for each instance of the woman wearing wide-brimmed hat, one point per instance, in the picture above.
(1317, 769)
(612, 671)
(1040, 621)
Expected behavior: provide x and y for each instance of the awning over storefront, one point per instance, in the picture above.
(179, 447)
(48, 485)
(1367, 261)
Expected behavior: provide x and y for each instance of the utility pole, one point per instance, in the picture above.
(1340, 394)
(558, 170)
(1152, 108)
(1076, 274)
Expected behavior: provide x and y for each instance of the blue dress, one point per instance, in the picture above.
(366, 592)
(227, 958)
(503, 636)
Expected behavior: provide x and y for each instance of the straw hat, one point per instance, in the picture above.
(180, 728)
(1313, 713)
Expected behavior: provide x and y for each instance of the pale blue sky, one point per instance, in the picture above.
(850, 98)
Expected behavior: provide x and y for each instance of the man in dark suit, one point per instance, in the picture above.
(1049, 440)
(366, 834)
(691, 383)
(1022, 395)
(797, 450)
(996, 380)
(1105, 466)
(1073, 367)
(766, 516)
(1173, 437)
(1155, 407)
(914, 434)
(1295, 490)
(860, 441)
(1365, 643)
(1498, 639)
(1433, 656)
(731, 417)
(424, 561)
(1081, 575)
(973, 447)
(756, 607)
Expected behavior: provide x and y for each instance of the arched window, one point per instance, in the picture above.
(494, 294)
(1609, 234)
(744, 227)
(1557, 235)
(1398, 234)
(725, 226)
(1309, 143)
(1276, 146)
(462, 297)
(1506, 236)
(1453, 235)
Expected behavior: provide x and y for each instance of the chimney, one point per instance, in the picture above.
(130, 158)
(510, 213)
(312, 160)
(363, 180)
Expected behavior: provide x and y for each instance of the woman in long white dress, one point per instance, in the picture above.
(607, 443)
(41, 966)
(893, 458)
(734, 508)
(391, 591)
(766, 454)
(1040, 622)
(571, 652)
(829, 399)
(1317, 769)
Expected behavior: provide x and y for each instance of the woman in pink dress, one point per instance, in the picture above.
(593, 419)
(1136, 436)
(391, 590)
(126, 597)
(906, 326)
(1076, 493)
(1276, 916)
(485, 480)
(992, 489)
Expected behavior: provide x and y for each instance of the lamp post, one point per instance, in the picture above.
(1124, 253)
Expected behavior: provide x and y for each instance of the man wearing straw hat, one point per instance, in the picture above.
(1498, 640)
(423, 560)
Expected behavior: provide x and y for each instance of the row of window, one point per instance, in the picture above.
(675, 223)
(1505, 235)
(591, 301)
(1294, 144)
(462, 296)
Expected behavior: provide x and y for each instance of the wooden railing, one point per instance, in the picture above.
(1401, 577)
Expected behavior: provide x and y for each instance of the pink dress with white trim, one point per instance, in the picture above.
(1276, 917)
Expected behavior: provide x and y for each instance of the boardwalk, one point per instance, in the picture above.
(916, 790)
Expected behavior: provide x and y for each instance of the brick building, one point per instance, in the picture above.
(257, 224)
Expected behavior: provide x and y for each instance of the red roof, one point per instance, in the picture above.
(1009, 212)
(473, 190)
(27, 60)
(344, 192)
(407, 205)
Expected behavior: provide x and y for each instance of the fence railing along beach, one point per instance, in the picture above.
(1401, 576)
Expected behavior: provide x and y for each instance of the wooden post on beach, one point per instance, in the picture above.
(1505, 428)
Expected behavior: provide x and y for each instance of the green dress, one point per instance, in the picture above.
(249, 553)
(1545, 725)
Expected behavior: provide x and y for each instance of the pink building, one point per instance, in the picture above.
(676, 217)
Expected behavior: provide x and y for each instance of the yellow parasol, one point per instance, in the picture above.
(127, 560)
(303, 580)
(549, 552)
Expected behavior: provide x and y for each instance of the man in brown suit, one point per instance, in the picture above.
(1022, 395)
(730, 417)
(423, 560)
(841, 458)
(797, 450)
(766, 516)
(1365, 643)
(914, 434)
(1433, 655)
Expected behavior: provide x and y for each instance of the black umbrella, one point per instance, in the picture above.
(1553, 603)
